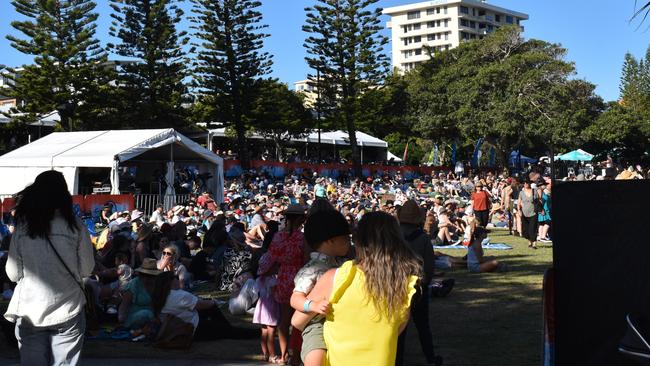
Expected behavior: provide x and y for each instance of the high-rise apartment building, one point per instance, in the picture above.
(442, 25)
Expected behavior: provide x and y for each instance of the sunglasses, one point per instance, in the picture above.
(168, 254)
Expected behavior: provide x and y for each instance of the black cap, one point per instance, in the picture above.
(325, 225)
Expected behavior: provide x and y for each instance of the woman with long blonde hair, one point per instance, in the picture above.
(369, 297)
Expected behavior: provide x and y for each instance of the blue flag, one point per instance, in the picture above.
(477, 153)
(493, 156)
(453, 154)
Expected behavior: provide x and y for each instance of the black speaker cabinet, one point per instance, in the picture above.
(601, 256)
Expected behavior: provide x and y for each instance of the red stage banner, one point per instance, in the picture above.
(94, 203)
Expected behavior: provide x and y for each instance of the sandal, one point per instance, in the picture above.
(276, 360)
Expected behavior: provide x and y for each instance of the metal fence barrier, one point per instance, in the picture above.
(147, 202)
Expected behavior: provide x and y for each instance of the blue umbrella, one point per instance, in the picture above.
(576, 155)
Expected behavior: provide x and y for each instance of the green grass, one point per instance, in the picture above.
(488, 319)
(491, 318)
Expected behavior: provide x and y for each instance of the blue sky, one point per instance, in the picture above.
(597, 34)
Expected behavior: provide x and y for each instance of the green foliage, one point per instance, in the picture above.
(229, 59)
(345, 47)
(417, 148)
(150, 85)
(627, 123)
(278, 112)
(67, 65)
(384, 109)
(510, 91)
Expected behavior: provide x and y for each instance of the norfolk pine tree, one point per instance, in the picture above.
(229, 60)
(68, 62)
(345, 47)
(151, 88)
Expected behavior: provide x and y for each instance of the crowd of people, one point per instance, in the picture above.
(299, 254)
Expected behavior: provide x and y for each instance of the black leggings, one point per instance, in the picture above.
(482, 216)
(529, 227)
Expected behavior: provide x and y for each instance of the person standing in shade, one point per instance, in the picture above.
(50, 254)
(411, 217)
(526, 206)
(481, 204)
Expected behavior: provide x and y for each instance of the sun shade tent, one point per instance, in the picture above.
(68, 151)
(329, 138)
(515, 156)
(576, 155)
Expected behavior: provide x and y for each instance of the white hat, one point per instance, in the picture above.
(178, 209)
(136, 214)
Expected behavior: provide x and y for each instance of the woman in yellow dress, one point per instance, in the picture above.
(369, 297)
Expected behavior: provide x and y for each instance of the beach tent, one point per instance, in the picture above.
(326, 137)
(394, 158)
(512, 161)
(67, 152)
(576, 155)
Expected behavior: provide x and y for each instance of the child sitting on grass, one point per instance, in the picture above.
(476, 262)
(328, 233)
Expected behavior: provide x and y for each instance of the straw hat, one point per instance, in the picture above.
(149, 267)
(178, 209)
(410, 213)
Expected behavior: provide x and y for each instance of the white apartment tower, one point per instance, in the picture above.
(442, 25)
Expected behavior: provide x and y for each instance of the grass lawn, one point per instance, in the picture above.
(488, 319)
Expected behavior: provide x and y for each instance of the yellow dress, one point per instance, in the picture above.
(354, 332)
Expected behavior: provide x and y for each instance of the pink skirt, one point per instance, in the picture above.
(267, 311)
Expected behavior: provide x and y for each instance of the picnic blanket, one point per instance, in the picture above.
(493, 246)
(108, 333)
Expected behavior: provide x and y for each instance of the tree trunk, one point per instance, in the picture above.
(349, 119)
(242, 149)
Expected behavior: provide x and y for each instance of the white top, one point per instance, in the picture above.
(46, 293)
(125, 272)
(157, 218)
(182, 305)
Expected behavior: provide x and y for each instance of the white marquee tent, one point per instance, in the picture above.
(68, 151)
(330, 138)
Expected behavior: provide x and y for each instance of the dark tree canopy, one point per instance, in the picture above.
(229, 60)
(68, 62)
(345, 48)
(150, 85)
(510, 91)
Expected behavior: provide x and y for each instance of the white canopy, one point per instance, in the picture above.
(330, 138)
(68, 151)
(393, 157)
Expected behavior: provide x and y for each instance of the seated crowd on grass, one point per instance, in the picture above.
(273, 243)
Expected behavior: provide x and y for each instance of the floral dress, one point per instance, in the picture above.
(287, 250)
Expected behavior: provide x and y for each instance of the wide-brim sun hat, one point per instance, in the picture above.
(136, 214)
(149, 267)
(410, 213)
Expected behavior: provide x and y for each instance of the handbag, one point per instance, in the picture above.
(537, 203)
(89, 309)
